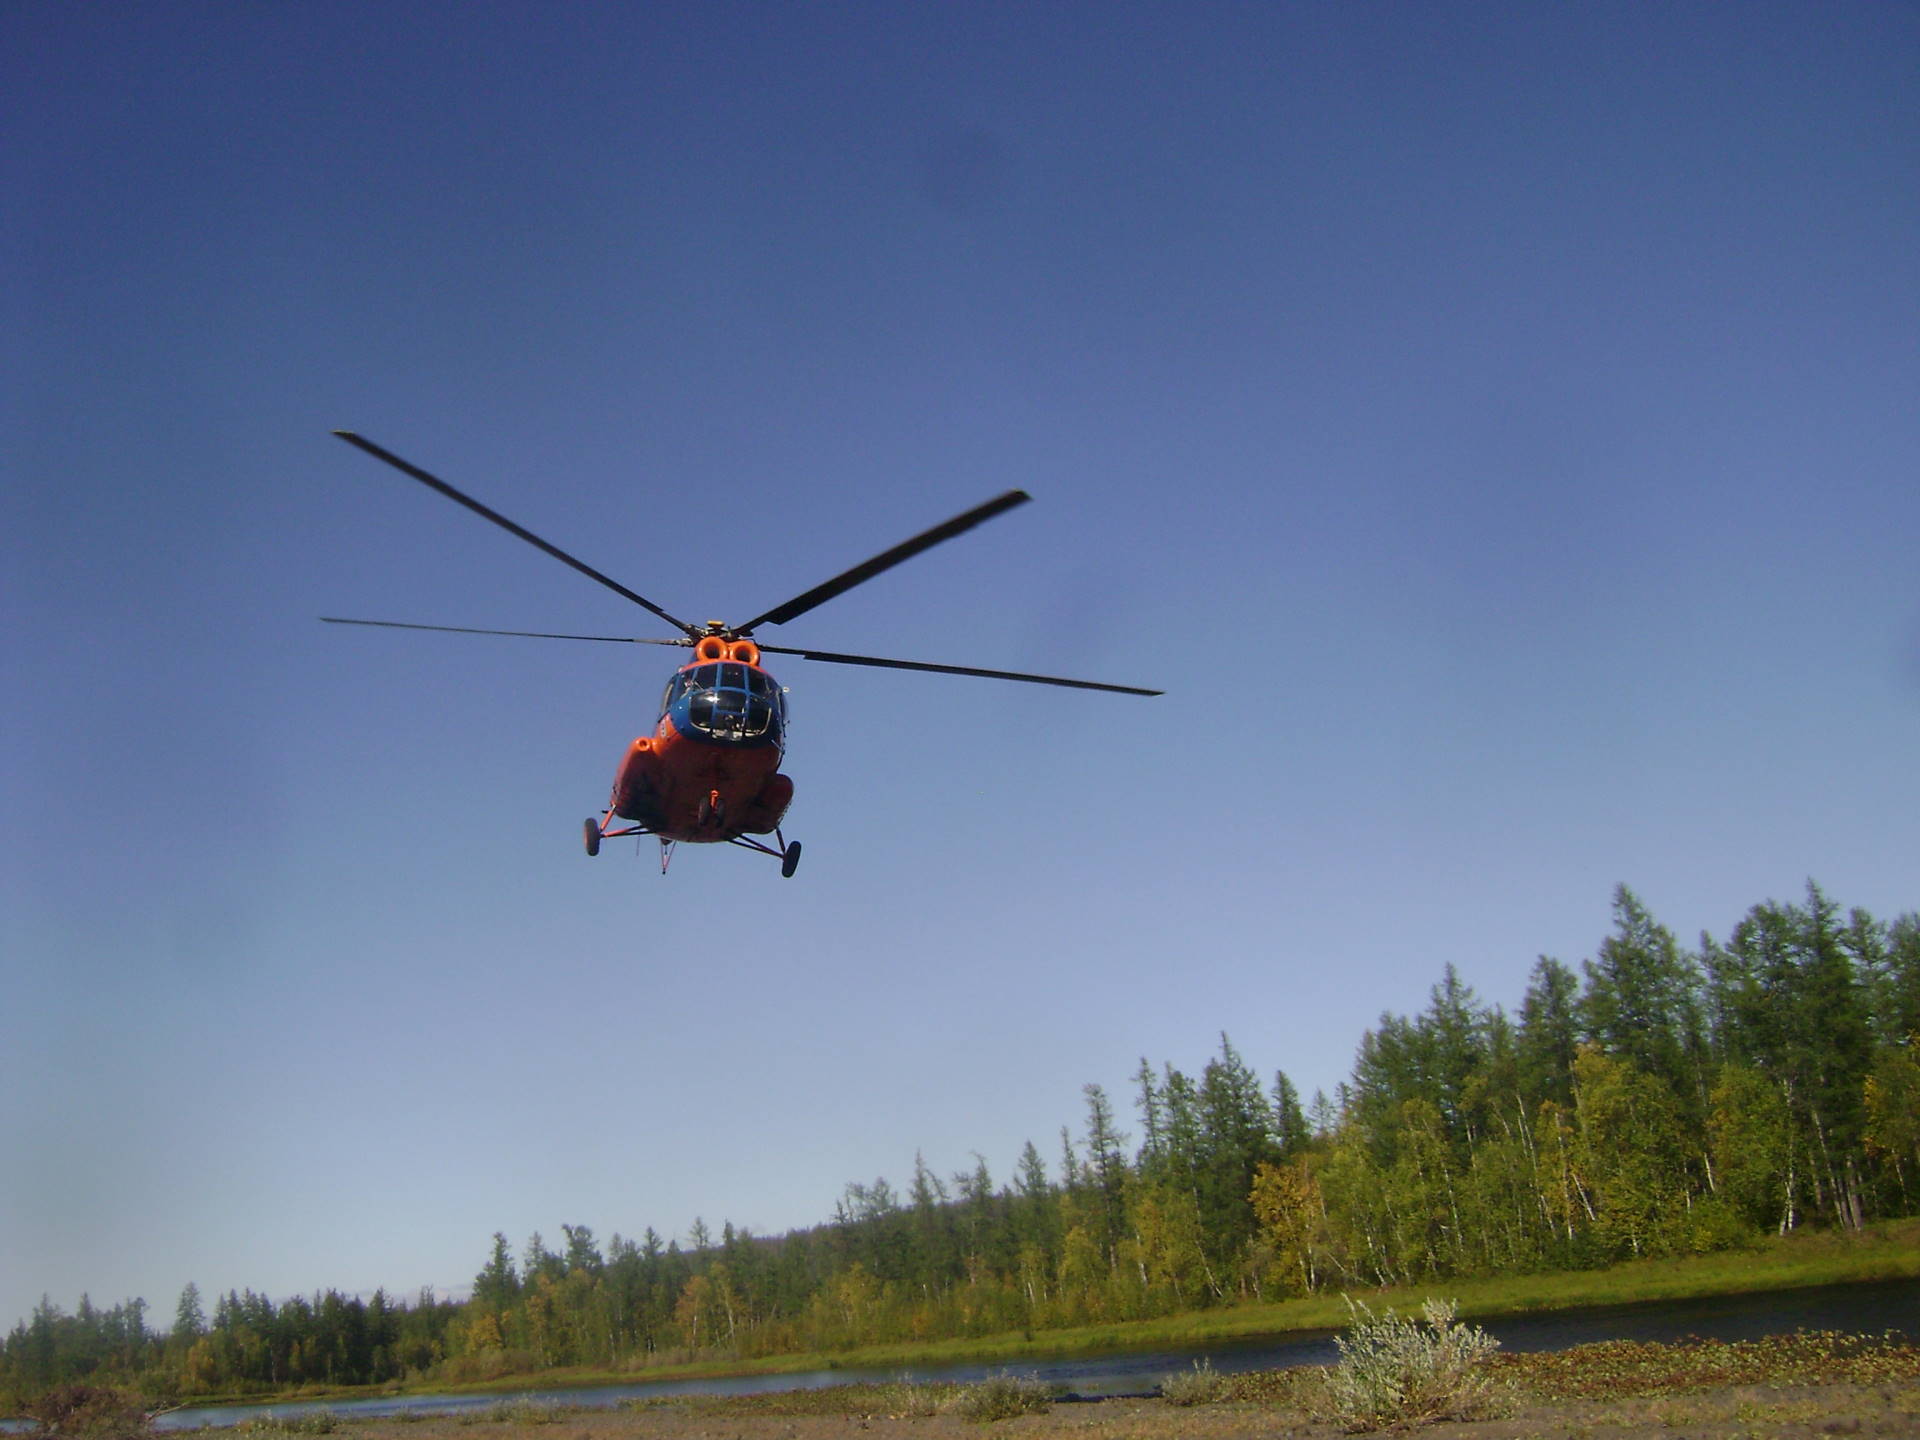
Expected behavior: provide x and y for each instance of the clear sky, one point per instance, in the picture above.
(1496, 428)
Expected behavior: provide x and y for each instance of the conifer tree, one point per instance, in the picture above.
(1641, 1001)
(189, 1320)
(1290, 1131)
(1106, 1169)
(1548, 1037)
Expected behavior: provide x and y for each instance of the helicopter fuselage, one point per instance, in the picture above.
(709, 771)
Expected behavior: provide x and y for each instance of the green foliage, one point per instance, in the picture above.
(1401, 1372)
(1642, 997)
(1548, 1037)
(1631, 1146)
(1000, 1397)
(1751, 1142)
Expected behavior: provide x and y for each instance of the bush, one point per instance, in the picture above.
(1400, 1372)
(93, 1412)
(528, 1410)
(1000, 1397)
(308, 1422)
(907, 1396)
(1202, 1385)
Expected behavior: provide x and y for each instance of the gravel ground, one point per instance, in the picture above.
(1731, 1413)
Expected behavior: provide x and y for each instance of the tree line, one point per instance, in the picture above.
(1659, 1100)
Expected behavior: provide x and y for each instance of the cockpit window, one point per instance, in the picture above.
(730, 701)
(700, 677)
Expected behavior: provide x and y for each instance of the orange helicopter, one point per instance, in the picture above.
(709, 772)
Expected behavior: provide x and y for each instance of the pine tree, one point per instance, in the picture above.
(1236, 1138)
(1151, 1120)
(189, 1320)
(1789, 1004)
(1548, 1037)
(1106, 1167)
(497, 1285)
(1641, 1002)
(1454, 1042)
(582, 1254)
(1290, 1129)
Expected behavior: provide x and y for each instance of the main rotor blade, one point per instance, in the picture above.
(873, 660)
(436, 483)
(527, 634)
(906, 550)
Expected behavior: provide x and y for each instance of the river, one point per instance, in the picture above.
(1867, 1309)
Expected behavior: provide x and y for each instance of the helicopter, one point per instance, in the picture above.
(709, 770)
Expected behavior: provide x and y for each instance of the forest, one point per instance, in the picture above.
(1660, 1100)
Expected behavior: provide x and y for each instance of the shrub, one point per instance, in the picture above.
(1000, 1397)
(1401, 1372)
(93, 1412)
(309, 1422)
(528, 1410)
(907, 1396)
(1202, 1385)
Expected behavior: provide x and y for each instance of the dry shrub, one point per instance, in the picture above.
(1202, 1385)
(908, 1397)
(321, 1421)
(1396, 1372)
(1000, 1397)
(91, 1412)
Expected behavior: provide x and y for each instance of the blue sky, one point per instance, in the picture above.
(1494, 427)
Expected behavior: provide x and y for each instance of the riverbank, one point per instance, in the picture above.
(1887, 1251)
(1815, 1412)
(1793, 1388)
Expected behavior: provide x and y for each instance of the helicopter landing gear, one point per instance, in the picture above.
(602, 829)
(788, 854)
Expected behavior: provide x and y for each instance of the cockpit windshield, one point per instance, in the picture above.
(729, 701)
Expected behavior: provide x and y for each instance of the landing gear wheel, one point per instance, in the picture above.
(790, 860)
(593, 837)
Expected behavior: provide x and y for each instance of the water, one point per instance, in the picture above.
(1868, 1309)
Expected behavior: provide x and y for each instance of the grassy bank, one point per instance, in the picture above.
(1803, 1387)
(1886, 1251)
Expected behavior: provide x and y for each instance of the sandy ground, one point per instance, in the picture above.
(1757, 1413)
